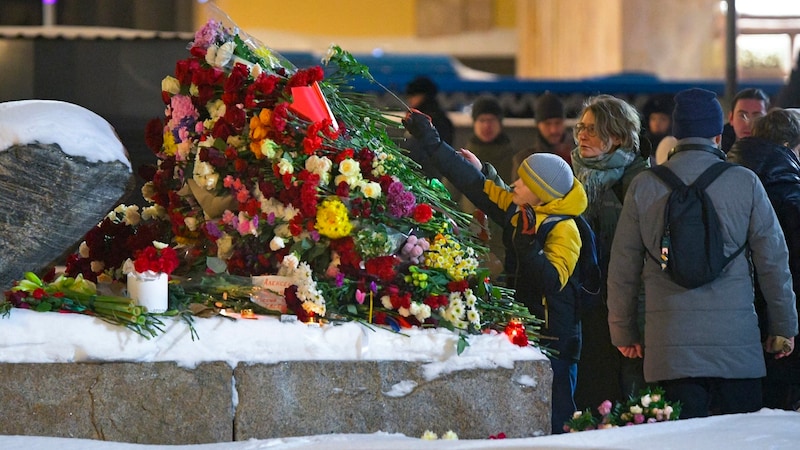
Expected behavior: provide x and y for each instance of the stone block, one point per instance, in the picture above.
(48, 201)
(318, 397)
(148, 403)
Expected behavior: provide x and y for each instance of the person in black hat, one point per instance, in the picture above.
(489, 141)
(421, 95)
(702, 344)
(657, 112)
(551, 134)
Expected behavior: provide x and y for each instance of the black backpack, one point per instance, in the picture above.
(692, 246)
(587, 274)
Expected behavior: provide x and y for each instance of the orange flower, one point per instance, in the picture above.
(259, 129)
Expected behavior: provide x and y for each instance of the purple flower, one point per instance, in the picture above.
(401, 202)
(207, 35)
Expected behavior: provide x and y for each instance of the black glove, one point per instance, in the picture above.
(525, 232)
(420, 126)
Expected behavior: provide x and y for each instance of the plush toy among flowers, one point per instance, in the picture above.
(265, 169)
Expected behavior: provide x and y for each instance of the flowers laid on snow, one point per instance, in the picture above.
(648, 407)
(267, 169)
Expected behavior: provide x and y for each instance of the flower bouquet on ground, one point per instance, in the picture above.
(649, 406)
(265, 169)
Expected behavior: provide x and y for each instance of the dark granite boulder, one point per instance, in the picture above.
(48, 201)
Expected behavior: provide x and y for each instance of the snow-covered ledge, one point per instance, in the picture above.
(261, 379)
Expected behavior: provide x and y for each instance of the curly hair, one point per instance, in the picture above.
(781, 126)
(614, 117)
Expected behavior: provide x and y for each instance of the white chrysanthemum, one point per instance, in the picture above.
(171, 84)
(371, 189)
(471, 299)
(473, 316)
(276, 243)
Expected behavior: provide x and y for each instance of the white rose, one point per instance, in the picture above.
(349, 168)
(636, 409)
(371, 189)
(646, 401)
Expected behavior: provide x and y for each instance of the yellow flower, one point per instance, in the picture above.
(332, 220)
(169, 144)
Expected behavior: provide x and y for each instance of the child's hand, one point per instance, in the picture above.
(471, 158)
(420, 126)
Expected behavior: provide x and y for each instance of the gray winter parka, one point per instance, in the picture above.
(710, 331)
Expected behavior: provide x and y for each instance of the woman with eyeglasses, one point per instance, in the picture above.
(605, 160)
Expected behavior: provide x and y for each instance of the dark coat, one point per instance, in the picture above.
(779, 171)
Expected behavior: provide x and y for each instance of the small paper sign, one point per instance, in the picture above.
(271, 296)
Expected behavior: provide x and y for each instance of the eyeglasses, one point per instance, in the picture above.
(747, 117)
(589, 129)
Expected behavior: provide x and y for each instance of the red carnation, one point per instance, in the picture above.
(422, 213)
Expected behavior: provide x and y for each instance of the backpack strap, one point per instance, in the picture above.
(547, 225)
(667, 176)
(706, 178)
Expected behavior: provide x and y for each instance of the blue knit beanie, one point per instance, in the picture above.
(697, 114)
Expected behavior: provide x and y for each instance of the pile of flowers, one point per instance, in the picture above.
(267, 169)
(648, 407)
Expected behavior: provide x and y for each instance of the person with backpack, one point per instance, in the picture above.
(542, 273)
(701, 336)
(606, 159)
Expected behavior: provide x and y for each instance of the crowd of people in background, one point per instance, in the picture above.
(723, 347)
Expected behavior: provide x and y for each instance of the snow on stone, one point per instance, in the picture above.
(78, 131)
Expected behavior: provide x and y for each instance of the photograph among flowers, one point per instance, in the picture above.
(266, 169)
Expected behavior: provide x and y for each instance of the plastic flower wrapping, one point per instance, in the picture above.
(267, 169)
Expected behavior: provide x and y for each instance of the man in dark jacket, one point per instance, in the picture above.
(772, 154)
(748, 105)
